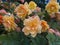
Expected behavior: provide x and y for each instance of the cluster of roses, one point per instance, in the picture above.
(33, 24)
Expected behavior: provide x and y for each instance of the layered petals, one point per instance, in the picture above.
(8, 22)
(44, 25)
(32, 26)
(52, 7)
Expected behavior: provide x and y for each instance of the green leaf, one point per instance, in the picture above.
(10, 39)
(53, 39)
(39, 40)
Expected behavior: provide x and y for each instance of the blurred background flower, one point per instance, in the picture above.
(1, 19)
(52, 7)
(2, 11)
(8, 22)
(38, 9)
(45, 26)
(32, 5)
(21, 11)
(56, 32)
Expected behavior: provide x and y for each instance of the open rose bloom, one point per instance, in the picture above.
(8, 22)
(25, 9)
(52, 7)
(21, 11)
